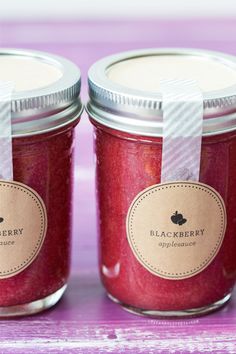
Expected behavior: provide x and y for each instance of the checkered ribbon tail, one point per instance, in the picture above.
(182, 130)
(6, 164)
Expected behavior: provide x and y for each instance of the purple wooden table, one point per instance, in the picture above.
(85, 321)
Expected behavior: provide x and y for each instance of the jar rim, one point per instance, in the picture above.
(44, 108)
(123, 108)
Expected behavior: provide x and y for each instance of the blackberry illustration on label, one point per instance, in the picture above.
(178, 218)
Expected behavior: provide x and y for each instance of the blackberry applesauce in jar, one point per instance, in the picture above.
(165, 143)
(39, 109)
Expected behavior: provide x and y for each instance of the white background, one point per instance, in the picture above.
(84, 9)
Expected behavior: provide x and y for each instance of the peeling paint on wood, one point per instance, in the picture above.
(86, 321)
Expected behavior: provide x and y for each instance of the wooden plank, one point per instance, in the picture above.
(86, 320)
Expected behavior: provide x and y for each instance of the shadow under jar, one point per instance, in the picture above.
(45, 108)
(125, 108)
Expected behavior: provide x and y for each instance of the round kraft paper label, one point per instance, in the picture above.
(176, 229)
(23, 225)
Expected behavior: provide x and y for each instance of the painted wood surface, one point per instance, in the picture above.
(85, 321)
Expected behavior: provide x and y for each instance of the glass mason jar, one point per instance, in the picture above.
(35, 236)
(125, 108)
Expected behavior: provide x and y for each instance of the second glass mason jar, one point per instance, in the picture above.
(36, 202)
(125, 108)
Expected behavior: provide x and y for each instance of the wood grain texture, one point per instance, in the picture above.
(85, 321)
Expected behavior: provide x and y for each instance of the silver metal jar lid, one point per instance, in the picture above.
(47, 107)
(140, 112)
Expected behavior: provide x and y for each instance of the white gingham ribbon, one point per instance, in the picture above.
(6, 163)
(182, 130)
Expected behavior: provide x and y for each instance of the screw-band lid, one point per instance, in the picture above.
(139, 111)
(46, 100)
